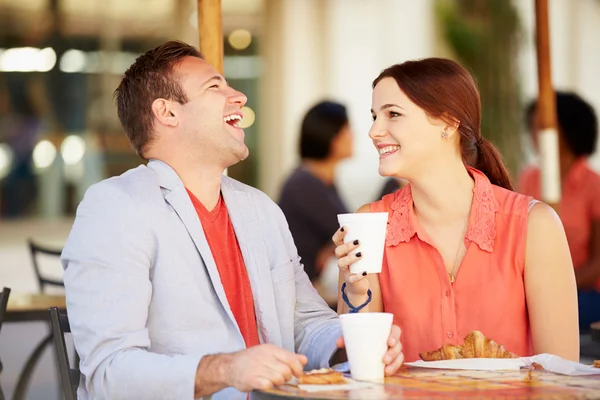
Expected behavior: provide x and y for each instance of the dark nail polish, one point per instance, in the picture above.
(359, 254)
(365, 273)
(356, 242)
(342, 229)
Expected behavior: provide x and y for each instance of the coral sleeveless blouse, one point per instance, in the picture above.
(488, 293)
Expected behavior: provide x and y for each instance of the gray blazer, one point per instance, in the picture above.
(144, 296)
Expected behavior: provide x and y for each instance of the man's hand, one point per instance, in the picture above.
(257, 368)
(263, 367)
(394, 357)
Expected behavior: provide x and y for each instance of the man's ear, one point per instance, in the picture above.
(164, 112)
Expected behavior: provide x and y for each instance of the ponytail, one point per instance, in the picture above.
(489, 161)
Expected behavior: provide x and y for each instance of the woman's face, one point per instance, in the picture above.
(406, 138)
(342, 144)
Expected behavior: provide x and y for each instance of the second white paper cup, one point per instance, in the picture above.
(366, 336)
(370, 230)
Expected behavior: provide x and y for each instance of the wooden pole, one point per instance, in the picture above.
(210, 31)
(546, 111)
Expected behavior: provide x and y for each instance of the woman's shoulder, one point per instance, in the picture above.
(511, 202)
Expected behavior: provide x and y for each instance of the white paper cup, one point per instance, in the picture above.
(366, 336)
(370, 230)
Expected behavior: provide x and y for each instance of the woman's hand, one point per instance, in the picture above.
(357, 285)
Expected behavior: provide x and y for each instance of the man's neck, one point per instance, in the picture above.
(322, 169)
(203, 181)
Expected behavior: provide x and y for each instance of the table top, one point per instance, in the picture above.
(412, 383)
(31, 307)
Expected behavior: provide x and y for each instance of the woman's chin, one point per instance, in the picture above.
(387, 170)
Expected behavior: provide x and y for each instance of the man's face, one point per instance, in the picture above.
(210, 120)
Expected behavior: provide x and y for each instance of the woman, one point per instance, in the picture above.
(463, 252)
(580, 203)
(309, 198)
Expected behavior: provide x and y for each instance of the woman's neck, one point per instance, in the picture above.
(442, 196)
(567, 159)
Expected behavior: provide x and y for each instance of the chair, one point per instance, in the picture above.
(35, 250)
(3, 303)
(69, 377)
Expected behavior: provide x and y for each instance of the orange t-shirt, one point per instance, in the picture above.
(230, 263)
(579, 206)
(489, 291)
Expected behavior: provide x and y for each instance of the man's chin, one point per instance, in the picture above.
(239, 155)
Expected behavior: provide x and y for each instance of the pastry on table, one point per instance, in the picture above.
(446, 352)
(596, 363)
(476, 345)
(323, 376)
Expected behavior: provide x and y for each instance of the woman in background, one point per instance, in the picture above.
(309, 198)
(580, 201)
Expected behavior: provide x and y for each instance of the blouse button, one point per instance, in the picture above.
(449, 334)
(447, 293)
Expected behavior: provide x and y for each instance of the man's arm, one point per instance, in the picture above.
(316, 326)
(107, 261)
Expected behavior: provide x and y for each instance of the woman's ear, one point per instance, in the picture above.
(451, 125)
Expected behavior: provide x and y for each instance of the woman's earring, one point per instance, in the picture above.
(445, 133)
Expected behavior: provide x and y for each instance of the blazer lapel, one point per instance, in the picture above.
(176, 195)
(251, 239)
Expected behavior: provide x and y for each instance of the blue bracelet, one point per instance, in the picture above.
(354, 310)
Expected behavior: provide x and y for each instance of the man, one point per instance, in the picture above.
(183, 283)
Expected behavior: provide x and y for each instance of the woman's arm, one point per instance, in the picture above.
(550, 286)
(361, 283)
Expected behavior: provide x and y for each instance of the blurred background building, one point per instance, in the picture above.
(60, 61)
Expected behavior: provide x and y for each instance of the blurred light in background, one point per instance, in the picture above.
(242, 67)
(114, 62)
(249, 117)
(44, 154)
(72, 149)
(27, 59)
(240, 39)
(6, 159)
(72, 61)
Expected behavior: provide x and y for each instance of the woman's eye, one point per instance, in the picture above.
(374, 117)
(394, 114)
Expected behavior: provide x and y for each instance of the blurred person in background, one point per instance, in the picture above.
(391, 185)
(309, 198)
(20, 127)
(579, 207)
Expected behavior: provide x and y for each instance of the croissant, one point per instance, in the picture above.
(475, 345)
(446, 352)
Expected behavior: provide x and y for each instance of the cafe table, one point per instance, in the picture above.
(421, 383)
(24, 307)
